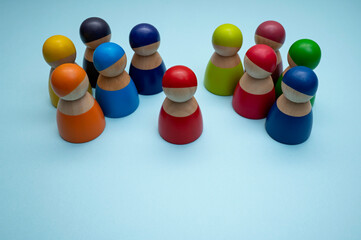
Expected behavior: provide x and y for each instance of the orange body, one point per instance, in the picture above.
(81, 128)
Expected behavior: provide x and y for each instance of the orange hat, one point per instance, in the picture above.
(66, 78)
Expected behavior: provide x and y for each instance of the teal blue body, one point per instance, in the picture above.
(119, 103)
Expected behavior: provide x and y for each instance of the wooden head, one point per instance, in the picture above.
(109, 59)
(59, 49)
(299, 84)
(260, 61)
(144, 39)
(227, 39)
(69, 81)
(94, 31)
(304, 52)
(270, 33)
(179, 83)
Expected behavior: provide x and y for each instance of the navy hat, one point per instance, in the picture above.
(301, 79)
(93, 29)
(142, 35)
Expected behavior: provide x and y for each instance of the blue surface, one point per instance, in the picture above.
(106, 54)
(148, 81)
(234, 182)
(119, 103)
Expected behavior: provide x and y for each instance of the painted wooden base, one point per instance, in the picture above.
(180, 130)
(250, 105)
(118, 103)
(222, 81)
(81, 128)
(91, 72)
(288, 129)
(148, 82)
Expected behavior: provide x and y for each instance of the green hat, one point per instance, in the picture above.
(305, 52)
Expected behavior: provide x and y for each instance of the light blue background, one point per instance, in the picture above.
(234, 182)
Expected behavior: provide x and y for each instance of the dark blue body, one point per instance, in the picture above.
(119, 103)
(148, 82)
(92, 73)
(288, 129)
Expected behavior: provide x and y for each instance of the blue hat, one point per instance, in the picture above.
(106, 55)
(142, 35)
(301, 79)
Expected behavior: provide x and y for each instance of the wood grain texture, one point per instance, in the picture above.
(294, 95)
(179, 94)
(147, 50)
(253, 70)
(114, 83)
(225, 51)
(293, 109)
(147, 62)
(279, 57)
(78, 106)
(290, 61)
(96, 43)
(116, 69)
(262, 40)
(88, 54)
(69, 59)
(256, 86)
(225, 62)
(79, 91)
(177, 109)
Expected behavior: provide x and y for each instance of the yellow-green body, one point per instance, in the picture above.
(222, 81)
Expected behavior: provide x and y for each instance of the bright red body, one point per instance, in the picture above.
(180, 130)
(252, 106)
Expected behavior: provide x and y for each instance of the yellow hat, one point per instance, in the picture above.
(57, 47)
